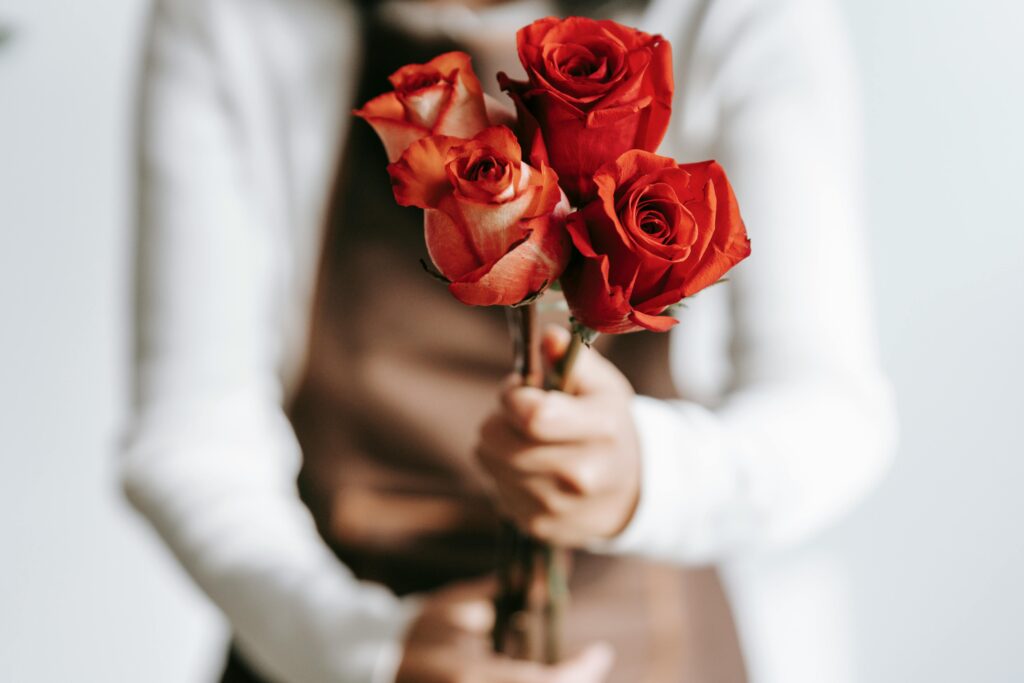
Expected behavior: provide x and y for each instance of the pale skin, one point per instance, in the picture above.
(566, 466)
(566, 469)
(450, 643)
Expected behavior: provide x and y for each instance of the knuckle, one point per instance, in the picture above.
(535, 424)
(538, 526)
(552, 504)
(584, 477)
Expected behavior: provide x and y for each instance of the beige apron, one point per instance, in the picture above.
(399, 378)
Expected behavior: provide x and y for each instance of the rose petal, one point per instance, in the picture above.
(386, 115)
(528, 128)
(550, 199)
(412, 77)
(501, 140)
(424, 106)
(386, 106)
(597, 118)
(449, 246)
(418, 178)
(654, 323)
(593, 301)
(493, 228)
(532, 265)
(457, 61)
(466, 113)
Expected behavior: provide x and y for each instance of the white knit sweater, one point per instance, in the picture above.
(789, 419)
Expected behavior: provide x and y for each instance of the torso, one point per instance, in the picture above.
(399, 377)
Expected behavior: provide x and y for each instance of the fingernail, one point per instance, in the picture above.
(524, 402)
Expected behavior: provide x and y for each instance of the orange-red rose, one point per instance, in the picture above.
(441, 97)
(494, 226)
(595, 89)
(656, 233)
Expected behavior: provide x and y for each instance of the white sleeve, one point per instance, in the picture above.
(808, 424)
(211, 459)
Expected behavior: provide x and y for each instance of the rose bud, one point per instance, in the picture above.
(494, 226)
(441, 97)
(595, 89)
(657, 232)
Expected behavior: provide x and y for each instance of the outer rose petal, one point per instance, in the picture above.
(524, 271)
(450, 62)
(729, 244)
(464, 114)
(592, 300)
(595, 232)
(654, 323)
(492, 227)
(448, 245)
(387, 116)
(424, 107)
(527, 127)
(419, 177)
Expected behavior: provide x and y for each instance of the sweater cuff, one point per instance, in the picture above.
(389, 656)
(684, 478)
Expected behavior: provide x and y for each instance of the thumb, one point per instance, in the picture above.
(467, 605)
(590, 666)
(591, 373)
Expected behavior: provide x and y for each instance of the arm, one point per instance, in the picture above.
(211, 459)
(807, 427)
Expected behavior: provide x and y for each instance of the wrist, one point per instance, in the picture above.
(677, 482)
(389, 660)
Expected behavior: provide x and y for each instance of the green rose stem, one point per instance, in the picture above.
(556, 560)
(516, 550)
(520, 556)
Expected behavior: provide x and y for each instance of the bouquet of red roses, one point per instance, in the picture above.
(567, 192)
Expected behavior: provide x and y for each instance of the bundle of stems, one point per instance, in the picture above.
(533, 590)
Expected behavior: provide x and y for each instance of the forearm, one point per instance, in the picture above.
(772, 466)
(218, 486)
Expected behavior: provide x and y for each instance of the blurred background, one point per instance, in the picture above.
(936, 554)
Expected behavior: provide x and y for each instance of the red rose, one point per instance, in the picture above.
(441, 97)
(596, 89)
(494, 226)
(656, 233)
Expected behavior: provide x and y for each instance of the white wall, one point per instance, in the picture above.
(938, 552)
(87, 595)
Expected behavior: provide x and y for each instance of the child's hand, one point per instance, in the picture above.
(566, 465)
(450, 643)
